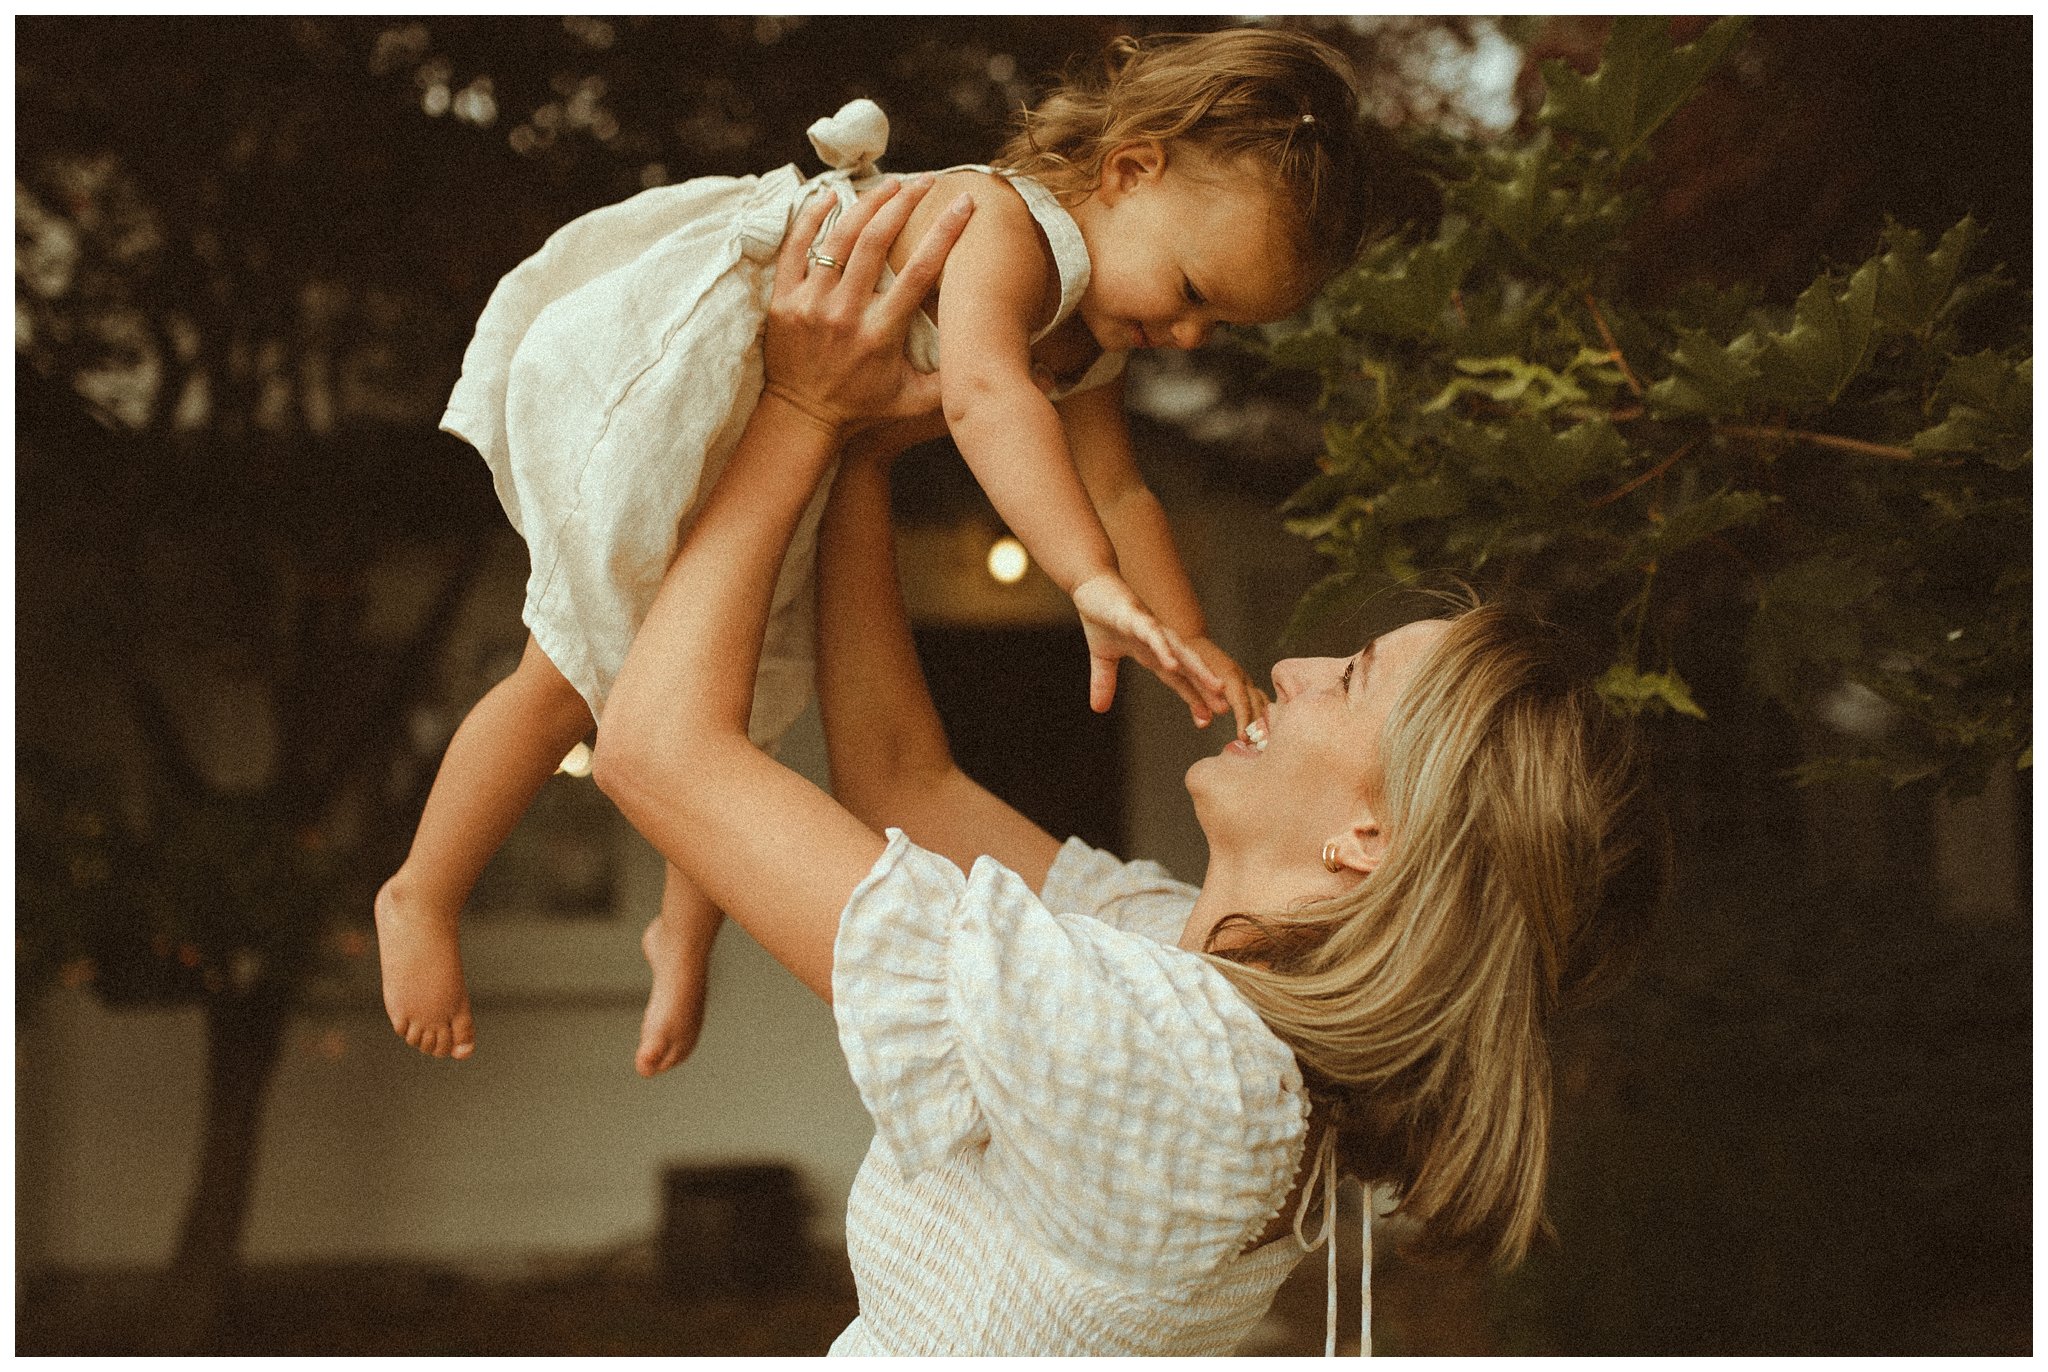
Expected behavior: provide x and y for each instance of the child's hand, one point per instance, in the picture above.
(1247, 701)
(1118, 625)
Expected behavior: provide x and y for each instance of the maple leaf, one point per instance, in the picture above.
(1642, 79)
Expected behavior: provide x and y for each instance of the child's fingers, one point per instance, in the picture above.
(1242, 708)
(1192, 698)
(1101, 683)
(1161, 643)
(1199, 673)
(1177, 680)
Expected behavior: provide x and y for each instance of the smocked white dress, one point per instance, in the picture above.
(612, 373)
(1079, 1127)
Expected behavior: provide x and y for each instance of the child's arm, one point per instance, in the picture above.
(1100, 440)
(997, 284)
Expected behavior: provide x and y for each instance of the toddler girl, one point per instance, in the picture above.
(1192, 181)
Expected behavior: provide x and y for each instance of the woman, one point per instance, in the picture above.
(1104, 1101)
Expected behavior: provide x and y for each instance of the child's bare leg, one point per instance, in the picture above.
(510, 744)
(678, 947)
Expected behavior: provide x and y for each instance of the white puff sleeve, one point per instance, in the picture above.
(1130, 1108)
(1140, 898)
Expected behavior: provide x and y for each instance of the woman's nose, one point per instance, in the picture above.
(1293, 675)
(1189, 334)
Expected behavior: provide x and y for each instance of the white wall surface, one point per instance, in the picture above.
(546, 1141)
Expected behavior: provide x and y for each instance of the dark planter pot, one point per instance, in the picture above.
(741, 1228)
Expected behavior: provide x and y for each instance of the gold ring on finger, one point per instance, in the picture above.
(822, 260)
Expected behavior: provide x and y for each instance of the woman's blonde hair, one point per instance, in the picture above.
(1274, 99)
(1520, 870)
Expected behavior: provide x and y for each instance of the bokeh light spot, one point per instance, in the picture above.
(1007, 561)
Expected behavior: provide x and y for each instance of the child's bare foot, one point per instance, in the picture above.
(675, 1007)
(422, 965)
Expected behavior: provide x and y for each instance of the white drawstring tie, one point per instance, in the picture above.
(1325, 1172)
(852, 140)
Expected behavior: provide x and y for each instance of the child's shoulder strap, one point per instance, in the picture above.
(1069, 251)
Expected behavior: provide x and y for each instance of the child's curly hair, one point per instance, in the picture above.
(1279, 98)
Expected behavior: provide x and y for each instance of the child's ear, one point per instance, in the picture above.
(1130, 165)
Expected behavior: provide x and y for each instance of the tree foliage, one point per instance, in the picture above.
(1849, 473)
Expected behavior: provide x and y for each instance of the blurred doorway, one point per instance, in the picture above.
(1014, 700)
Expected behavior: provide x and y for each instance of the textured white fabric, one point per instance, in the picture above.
(852, 140)
(609, 379)
(1078, 1126)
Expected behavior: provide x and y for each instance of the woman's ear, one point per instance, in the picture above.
(1361, 848)
(1130, 165)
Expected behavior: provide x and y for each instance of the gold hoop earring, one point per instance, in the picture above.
(1331, 862)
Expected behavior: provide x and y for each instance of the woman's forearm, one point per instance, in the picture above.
(705, 628)
(891, 765)
(673, 752)
(883, 738)
(771, 849)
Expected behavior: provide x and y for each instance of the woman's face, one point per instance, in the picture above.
(1173, 253)
(1319, 763)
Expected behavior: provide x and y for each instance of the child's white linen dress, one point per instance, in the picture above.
(613, 372)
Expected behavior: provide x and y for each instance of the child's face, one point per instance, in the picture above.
(1178, 245)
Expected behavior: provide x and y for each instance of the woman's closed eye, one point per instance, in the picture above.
(1194, 297)
(1345, 684)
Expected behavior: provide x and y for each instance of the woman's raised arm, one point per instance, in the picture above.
(778, 855)
(891, 765)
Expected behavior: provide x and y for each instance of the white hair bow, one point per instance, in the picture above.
(854, 139)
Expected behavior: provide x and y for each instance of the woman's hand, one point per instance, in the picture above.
(834, 347)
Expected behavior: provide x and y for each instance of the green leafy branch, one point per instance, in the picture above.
(1839, 476)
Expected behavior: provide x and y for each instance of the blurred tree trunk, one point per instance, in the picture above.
(243, 1037)
(214, 894)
